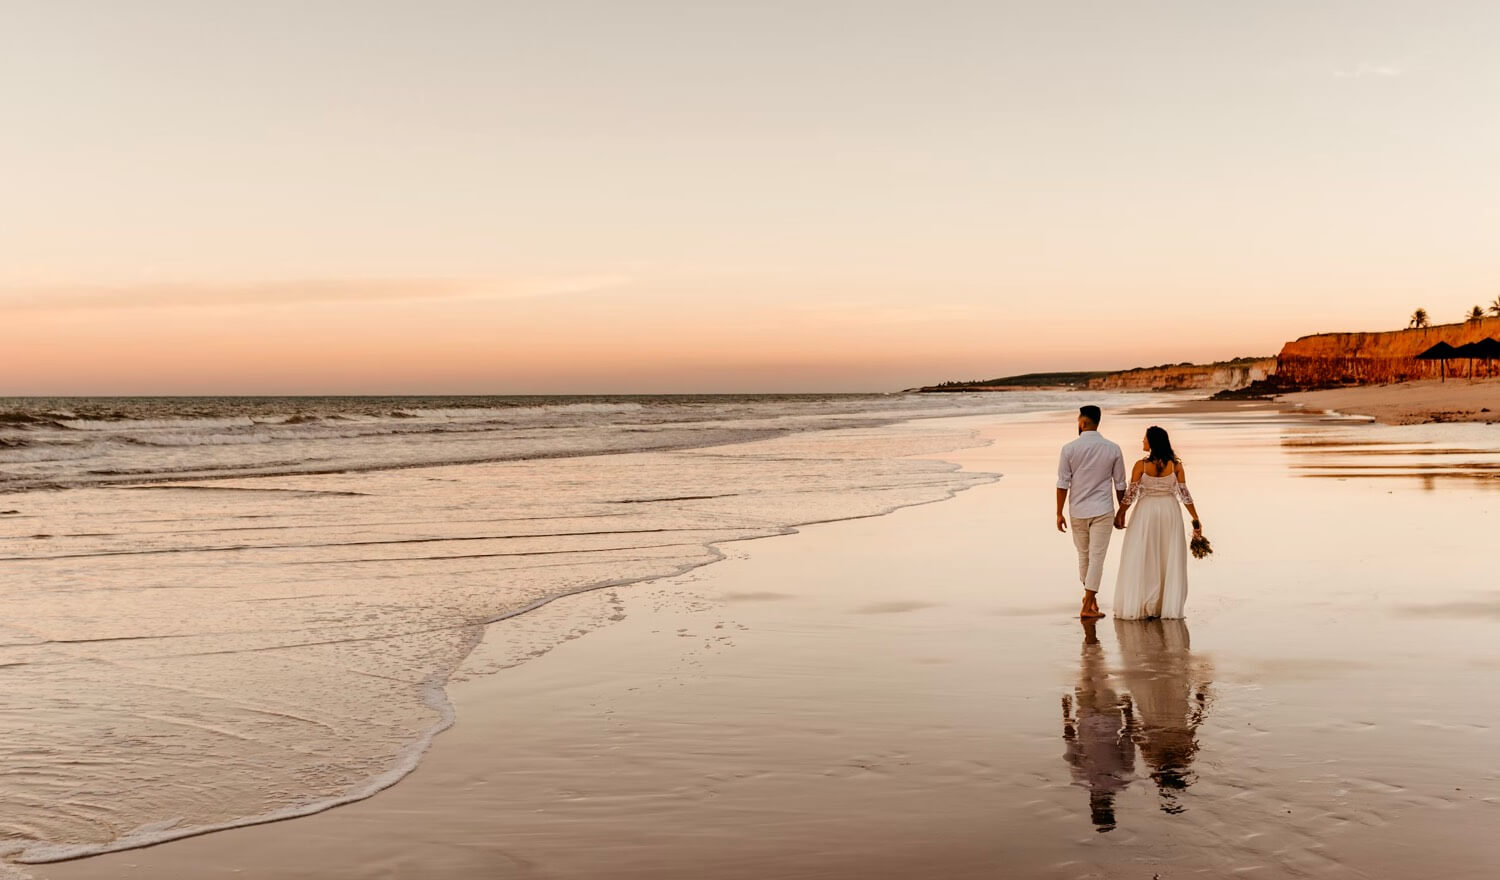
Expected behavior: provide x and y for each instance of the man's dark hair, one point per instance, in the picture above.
(1091, 413)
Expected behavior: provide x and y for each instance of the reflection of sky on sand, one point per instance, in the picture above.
(1485, 604)
(1151, 705)
(1340, 447)
(1425, 454)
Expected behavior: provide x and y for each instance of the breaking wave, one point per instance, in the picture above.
(78, 442)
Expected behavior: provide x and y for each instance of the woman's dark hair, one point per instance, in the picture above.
(1161, 446)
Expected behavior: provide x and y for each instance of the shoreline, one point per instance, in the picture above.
(486, 659)
(367, 590)
(435, 691)
(827, 705)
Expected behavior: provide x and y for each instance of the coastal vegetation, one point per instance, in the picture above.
(1070, 379)
(1184, 374)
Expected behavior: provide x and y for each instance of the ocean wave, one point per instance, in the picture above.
(231, 432)
(846, 486)
(599, 408)
(182, 440)
(510, 411)
(31, 422)
(32, 453)
(433, 695)
(95, 424)
(194, 414)
(100, 442)
(17, 417)
(275, 432)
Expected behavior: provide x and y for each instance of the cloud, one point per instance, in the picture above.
(1366, 69)
(294, 292)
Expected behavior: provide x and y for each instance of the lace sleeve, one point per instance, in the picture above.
(1183, 494)
(1132, 493)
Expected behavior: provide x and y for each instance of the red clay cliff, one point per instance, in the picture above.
(1327, 359)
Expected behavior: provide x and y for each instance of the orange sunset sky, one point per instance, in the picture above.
(611, 197)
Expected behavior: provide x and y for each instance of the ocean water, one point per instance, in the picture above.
(225, 611)
(70, 443)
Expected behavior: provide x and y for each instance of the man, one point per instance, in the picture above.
(1087, 468)
(1099, 727)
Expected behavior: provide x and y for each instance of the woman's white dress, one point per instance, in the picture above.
(1153, 565)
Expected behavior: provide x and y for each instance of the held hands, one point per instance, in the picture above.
(1062, 523)
(1120, 518)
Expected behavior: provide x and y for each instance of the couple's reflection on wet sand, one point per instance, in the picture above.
(1151, 706)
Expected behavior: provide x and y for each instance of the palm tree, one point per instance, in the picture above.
(1495, 307)
(1476, 314)
(1419, 319)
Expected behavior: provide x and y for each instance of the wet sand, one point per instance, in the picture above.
(908, 696)
(1411, 403)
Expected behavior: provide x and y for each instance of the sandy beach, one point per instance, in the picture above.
(621, 441)
(907, 695)
(1410, 403)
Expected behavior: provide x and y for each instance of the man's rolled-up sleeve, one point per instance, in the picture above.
(1119, 472)
(1064, 471)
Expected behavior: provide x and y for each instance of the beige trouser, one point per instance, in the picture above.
(1091, 537)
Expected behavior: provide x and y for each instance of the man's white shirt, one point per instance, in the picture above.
(1089, 468)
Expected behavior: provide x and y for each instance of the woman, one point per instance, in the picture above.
(1169, 693)
(1153, 565)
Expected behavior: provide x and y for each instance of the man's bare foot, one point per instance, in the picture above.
(1091, 614)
